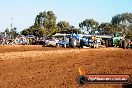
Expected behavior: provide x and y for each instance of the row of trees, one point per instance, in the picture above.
(45, 24)
(120, 23)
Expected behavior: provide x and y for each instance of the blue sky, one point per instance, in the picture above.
(72, 11)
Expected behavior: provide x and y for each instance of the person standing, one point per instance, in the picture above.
(125, 44)
(94, 41)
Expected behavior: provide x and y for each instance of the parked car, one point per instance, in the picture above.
(50, 42)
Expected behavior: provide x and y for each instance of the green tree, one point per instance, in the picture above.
(122, 22)
(46, 21)
(90, 25)
(130, 30)
(106, 28)
(25, 32)
(81, 25)
(45, 24)
(63, 25)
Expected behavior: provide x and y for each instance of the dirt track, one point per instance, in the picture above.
(39, 67)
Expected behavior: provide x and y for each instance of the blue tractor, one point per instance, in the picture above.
(77, 40)
(72, 40)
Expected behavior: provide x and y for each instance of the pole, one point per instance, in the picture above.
(11, 28)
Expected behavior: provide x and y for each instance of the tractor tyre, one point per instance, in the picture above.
(73, 43)
(81, 44)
